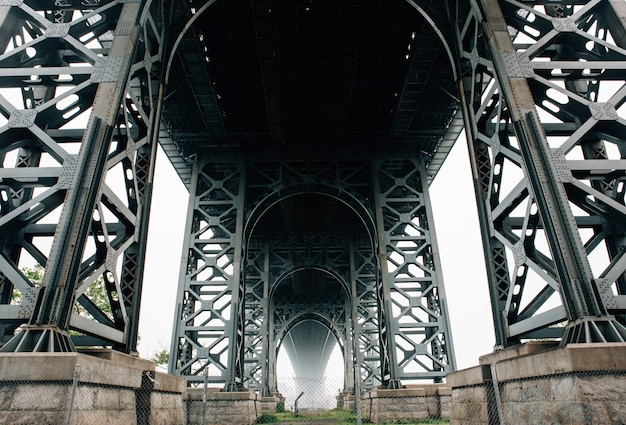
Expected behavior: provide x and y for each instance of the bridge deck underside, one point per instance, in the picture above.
(309, 79)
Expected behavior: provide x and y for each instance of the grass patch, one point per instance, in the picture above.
(334, 417)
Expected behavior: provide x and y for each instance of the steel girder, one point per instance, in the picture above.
(80, 86)
(544, 99)
(270, 317)
(411, 295)
(234, 325)
(208, 323)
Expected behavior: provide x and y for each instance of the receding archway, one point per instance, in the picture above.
(309, 306)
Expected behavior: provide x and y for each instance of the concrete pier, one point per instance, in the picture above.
(77, 388)
(577, 384)
(414, 402)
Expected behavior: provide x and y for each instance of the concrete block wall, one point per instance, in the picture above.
(222, 407)
(112, 388)
(414, 402)
(542, 383)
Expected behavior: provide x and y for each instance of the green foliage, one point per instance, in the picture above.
(335, 417)
(280, 407)
(267, 419)
(162, 357)
(35, 275)
(97, 293)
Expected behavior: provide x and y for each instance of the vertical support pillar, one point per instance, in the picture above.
(352, 355)
(268, 355)
(208, 328)
(412, 300)
(589, 320)
(442, 347)
(383, 290)
(48, 326)
(365, 329)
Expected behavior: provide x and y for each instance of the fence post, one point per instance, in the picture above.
(295, 407)
(357, 394)
(206, 383)
(496, 392)
(72, 394)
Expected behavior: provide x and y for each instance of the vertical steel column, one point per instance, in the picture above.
(552, 99)
(414, 329)
(442, 346)
(584, 297)
(81, 181)
(258, 346)
(388, 363)
(208, 327)
(494, 156)
(146, 89)
(366, 355)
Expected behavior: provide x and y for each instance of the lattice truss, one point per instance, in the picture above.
(412, 291)
(205, 334)
(365, 335)
(269, 318)
(211, 334)
(572, 57)
(348, 258)
(205, 327)
(76, 85)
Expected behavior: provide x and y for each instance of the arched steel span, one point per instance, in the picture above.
(320, 318)
(335, 270)
(321, 268)
(314, 316)
(342, 195)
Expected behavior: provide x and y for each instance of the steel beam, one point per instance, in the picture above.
(548, 72)
(80, 61)
(414, 327)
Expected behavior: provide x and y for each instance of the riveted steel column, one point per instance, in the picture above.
(414, 323)
(584, 297)
(385, 323)
(49, 322)
(209, 318)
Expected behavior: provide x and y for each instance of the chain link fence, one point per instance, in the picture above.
(93, 397)
(572, 398)
(148, 397)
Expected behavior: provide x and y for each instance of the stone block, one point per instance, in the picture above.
(169, 383)
(101, 396)
(531, 347)
(84, 398)
(106, 398)
(41, 417)
(37, 366)
(410, 403)
(40, 397)
(574, 385)
(6, 395)
(89, 417)
(466, 377)
(119, 358)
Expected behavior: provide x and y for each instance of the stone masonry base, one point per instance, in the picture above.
(414, 402)
(536, 383)
(222, 408)
(111, 388)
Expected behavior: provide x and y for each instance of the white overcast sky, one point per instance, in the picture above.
(456, 227)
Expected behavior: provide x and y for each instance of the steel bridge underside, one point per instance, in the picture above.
(307, 134)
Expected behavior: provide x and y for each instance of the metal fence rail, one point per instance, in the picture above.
(144, 398)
